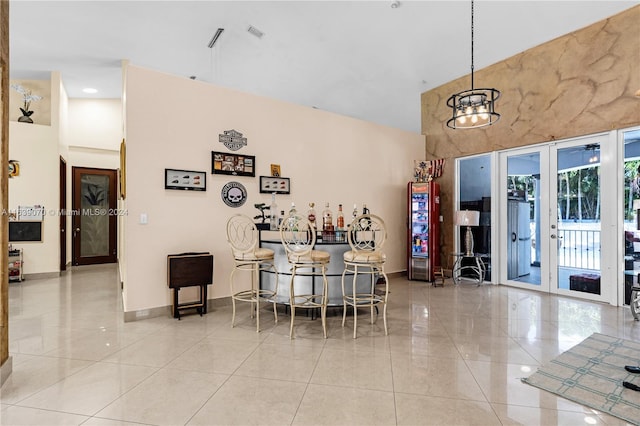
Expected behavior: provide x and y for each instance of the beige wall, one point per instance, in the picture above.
(578, 84)
(37, 148)
(95, 123)
(174, 122)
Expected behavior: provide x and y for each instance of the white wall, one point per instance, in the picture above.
(174, 122)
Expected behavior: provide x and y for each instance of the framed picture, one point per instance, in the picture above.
(123, 170)
(185, 179)
(275, 170)
(224, 163)
(270, 184)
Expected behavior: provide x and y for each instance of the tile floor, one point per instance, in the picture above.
(454, 356)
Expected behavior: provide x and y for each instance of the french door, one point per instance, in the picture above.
(552, 213)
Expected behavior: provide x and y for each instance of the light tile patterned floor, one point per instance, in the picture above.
(454, 356)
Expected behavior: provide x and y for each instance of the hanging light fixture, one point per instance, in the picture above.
(476, 107)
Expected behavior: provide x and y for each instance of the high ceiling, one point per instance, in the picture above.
(364, 59)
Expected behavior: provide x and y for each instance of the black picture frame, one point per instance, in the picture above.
(277, 184)
(226, 163)
(188, 180)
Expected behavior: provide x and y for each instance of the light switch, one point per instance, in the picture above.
(144, 219)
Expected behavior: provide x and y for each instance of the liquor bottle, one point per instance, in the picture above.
(340, 219)
(311, 215)
(327, 219)
(340, 224)
(292, 221)
(354, 213)
(280, 218)
(273, 217)
(364, 223)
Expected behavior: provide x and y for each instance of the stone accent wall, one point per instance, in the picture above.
(578, 84)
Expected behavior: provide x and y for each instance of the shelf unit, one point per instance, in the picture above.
(16, 272)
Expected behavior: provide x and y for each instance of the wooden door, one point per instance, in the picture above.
(63, 214)
(94, 216)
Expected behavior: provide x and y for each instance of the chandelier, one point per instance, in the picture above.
(476, 107)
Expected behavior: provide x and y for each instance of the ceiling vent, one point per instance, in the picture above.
(256, 32)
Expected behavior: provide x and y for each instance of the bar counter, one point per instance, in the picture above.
(306, 284)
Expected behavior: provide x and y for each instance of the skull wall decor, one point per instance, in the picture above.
(234, 194)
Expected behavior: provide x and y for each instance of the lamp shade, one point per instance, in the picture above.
(467, 218)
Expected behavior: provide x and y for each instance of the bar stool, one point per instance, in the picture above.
(242, 236)
(298, 238)
(366, 235)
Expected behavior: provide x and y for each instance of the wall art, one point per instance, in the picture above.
(271, 184)
(185, 179)
(232, 139)
(14, 168)
(224, 163)
(234, 194)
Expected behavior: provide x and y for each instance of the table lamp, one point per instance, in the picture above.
(468, 218)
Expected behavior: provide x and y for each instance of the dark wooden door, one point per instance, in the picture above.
(63, 214)
(94, 216)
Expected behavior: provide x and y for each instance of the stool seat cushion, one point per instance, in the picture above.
(314, 256)
(358, 256)
(257, 254)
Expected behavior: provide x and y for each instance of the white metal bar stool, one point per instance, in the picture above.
(298, 238)
(242, 236)
(366, 235)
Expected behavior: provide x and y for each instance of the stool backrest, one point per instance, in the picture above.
(242, 234)
(298, 235)
(367, 232)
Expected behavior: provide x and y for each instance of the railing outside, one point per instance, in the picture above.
(579, 248)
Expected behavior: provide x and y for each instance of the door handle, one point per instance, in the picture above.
(553, 236)
(514, 237)
(75, 231)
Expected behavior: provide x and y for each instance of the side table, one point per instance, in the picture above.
(476, 267)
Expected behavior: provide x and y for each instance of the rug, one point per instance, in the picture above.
(591, 373)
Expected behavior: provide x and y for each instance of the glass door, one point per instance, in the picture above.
(524, 235)
(577, 203)
(551, 239)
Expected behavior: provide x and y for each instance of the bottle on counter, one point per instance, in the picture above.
(340, 224)
(273, 217)
(292, 212)
(364, 223)
(280, 218)
(327, 218)
(327, 224)
(354, 213)
(311, 215)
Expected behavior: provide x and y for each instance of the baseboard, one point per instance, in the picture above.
(42, 275)
(162, 311)
(143, 314)
(398, 274)
(5, 370)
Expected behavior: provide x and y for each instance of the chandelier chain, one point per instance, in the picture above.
(472, 86)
